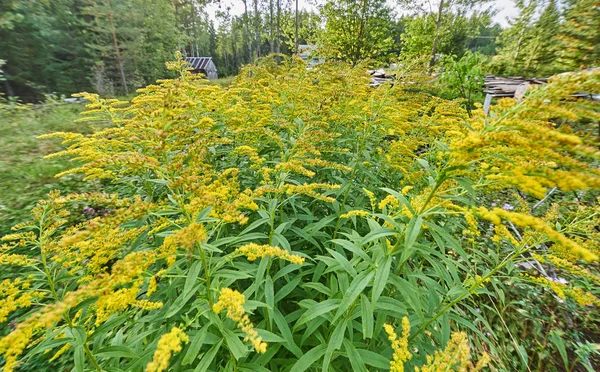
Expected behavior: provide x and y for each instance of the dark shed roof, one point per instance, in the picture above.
(199, 63)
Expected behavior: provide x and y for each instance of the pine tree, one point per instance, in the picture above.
(541, 50)
(580, 36)
(513, 41)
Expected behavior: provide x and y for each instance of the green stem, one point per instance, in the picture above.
(207, 275)
(91, 356)
(431, 195)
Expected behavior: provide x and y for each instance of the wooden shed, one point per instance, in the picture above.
(203, 65)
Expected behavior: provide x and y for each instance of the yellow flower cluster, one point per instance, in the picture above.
(354, 213)
(455, 357)
(187, 236)
(399, 345)
(569, 267)
(168, 344)
(15, 295)
(255, 251)
(233, 301)
(523, 220)
(563, 291)
(310, 190)
(390, 200)
(251, 153)
(372, 198)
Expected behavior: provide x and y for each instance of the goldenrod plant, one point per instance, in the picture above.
(295, 219)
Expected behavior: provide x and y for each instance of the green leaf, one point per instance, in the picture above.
(286, 333)
(195, 346)
(79, 335)
(192, 276)
(343, 261)
(335, 342)
(269, 336)
(317, 310)
(412, 233)
(366, 311)
(355, 359)
(116, 352)
(377, 234)
(309, 359)
(374, 359)
(358, 285)
(79, 358)
(555, 337)
(188, 290)
(287, 289)
(352, 248)
(270, 298)
(49, 344)
(381, 278)
(234, 344)
(208, 357)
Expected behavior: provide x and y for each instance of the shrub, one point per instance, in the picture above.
(299, 220)
(464, 77)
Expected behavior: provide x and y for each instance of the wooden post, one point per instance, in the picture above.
(487, 103)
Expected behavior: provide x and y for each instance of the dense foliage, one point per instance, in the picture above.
(300, 220)
(112, 47)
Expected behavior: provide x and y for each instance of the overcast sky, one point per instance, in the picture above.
(506, 8)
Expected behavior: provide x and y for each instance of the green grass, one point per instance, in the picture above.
(224, 82)
(25, 176)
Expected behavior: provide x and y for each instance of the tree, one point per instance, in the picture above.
(463, 76)
(356, 29)
(44, 49)
(308, 28)
(454, 34)
(541, 51)
(514, 40)
(531, 45)
(441, 15)
(580, 35)
(133, 39)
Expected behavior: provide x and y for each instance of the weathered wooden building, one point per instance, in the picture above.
(203, 65)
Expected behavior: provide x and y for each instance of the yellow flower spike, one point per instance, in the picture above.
(168, 344)
(372, 198)
(15, 295)
(389, 200)
(406, 189)
(355, 213)
(456, 356)
(523, 220)
(60, 352)
(399, 345)
(255, 251)
(233, 301)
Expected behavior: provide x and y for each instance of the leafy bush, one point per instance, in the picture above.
(464, 77)
(300, 220)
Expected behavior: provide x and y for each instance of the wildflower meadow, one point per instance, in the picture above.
(301, 220)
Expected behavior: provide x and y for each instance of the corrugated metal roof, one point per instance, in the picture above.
(199, 63)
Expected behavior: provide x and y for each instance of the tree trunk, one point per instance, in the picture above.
(271, 25)
(519, 43)
(436, 35)
(116, 44)
(257, 27)
(9, 90)
(297, 51)
(247, 26)
(278, 40)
